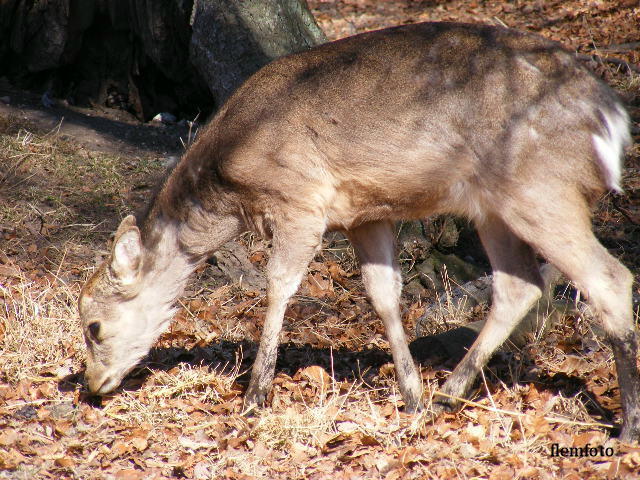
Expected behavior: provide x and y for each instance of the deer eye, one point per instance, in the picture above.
(94, 331)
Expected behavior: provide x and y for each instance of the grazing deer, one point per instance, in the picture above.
(505, 128)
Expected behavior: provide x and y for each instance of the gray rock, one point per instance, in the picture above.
(428, 275)
(457, 269)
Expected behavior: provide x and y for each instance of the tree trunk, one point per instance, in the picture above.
(176, 56)
(232, 39)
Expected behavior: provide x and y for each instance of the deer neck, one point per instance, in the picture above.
(175, 247)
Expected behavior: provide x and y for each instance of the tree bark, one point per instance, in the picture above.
(232, 39)
(147, 57)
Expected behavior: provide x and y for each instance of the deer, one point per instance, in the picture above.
(502, 127)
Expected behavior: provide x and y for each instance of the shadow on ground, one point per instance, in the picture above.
(346, 365)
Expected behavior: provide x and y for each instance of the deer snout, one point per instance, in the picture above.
(100, 382)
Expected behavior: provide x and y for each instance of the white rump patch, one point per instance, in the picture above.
(610, 146)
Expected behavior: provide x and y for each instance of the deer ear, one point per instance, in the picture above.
(126, 256)
(126, 223)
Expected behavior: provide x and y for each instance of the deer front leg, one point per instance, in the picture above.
(293, 249)
(375, 246)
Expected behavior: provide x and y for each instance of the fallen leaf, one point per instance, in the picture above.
(319, 286)
(9, 460)
(8, 271)
(385, 464)
(335, 441)
(139, 443)
(632, 460)
(8, 437)
(118, 449)
(316, 375)
(536, 424)
(130, 474)
(408, 455)
(65, 462)
(192, 444)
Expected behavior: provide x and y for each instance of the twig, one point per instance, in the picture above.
(35, 402)
(493, 403)
(621, 47)
(520, 414)
(56, 128)
(25, 179)
(615, 61)
(500, 22)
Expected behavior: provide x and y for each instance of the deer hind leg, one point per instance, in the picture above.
(374, 244)
(517, 285)
(294, 246)
(562, 234)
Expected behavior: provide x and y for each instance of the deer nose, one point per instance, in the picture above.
(101, 386)
(98, 383)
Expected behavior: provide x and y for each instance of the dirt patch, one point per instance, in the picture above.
(98, 129)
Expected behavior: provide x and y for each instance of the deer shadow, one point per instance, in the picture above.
(228, 358)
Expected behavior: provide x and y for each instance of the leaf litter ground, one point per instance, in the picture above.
(334, 411)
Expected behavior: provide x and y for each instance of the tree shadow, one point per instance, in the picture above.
(109, 130)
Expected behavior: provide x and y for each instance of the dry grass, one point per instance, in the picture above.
(41, 329)
(334, 407)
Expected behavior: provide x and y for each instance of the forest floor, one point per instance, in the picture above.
(334, 411)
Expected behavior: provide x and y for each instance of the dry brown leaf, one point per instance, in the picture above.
(319, 286)
(387, 370)
(63, 428)
(528, 472)
(592, 437)
(632, 461)
(8, 437)
(130, 474)
(599, 390)
(388, 409)
(536, 424)
(65, 462)
(386, 464)
(369, 441)
(237, 442)
(316, 375)
(502, 472)
(9, 460)
(139, 443)
(574, 364)
(337, 273)
(9, 271)
(299, 453)
(408, 455)
(475, 433)
(202, 442)
(559, 437)
(118, 449)
(336, 441)
(573, 476)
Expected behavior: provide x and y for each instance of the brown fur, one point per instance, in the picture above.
(402, 123)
